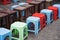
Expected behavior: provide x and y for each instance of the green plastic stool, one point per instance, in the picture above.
(19, 31)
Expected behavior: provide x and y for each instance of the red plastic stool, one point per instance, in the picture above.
(55, 12)
(28, 1)
(5, 1)
(42, 19)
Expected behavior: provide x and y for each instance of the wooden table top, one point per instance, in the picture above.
(35, 2)
(27, 5)
(23, 7)
(3, 15)
(20, 8)
(8, 11)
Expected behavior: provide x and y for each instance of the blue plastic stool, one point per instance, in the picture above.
(15, 1)
(4, 33)
(14, 6)
(58, 6)
(49, 15)
(22, 3)
(36, 22)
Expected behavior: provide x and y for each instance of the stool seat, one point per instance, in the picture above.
(52, 7)
(47, 11)
(19, 24)
(39, 14)
(4, 31)
(56, 5)
(33, 18)
(23, 3)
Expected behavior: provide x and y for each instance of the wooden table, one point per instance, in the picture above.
(12, 16)
(43, 5)
(27, 9)
(48, 3)
(3, 20)
(36, 6)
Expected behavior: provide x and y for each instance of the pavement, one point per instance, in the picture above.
(50, 32)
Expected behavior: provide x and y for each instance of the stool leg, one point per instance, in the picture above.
(1, 20)
(10, 36)
(48, 21)
(36, 29)
(7, 23)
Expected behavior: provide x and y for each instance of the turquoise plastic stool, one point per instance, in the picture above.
(33, 24)
(58, 6)
(15, 1)
(4, 33)
(22, 3)
(49, 15)
(14, 6)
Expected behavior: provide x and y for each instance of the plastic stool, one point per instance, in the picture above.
(58, 6)
(19, 30)
(49, 14)
(5, 34)
(28, 1)
(33, 24)
(55, 12)
(23, 3)
(42, 19)
(15, 1)
(14, 6)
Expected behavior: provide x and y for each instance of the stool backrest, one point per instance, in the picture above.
(51, 16)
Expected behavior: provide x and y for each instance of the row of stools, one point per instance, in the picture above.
(8, 14)
(34, 23)
(20, 13)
